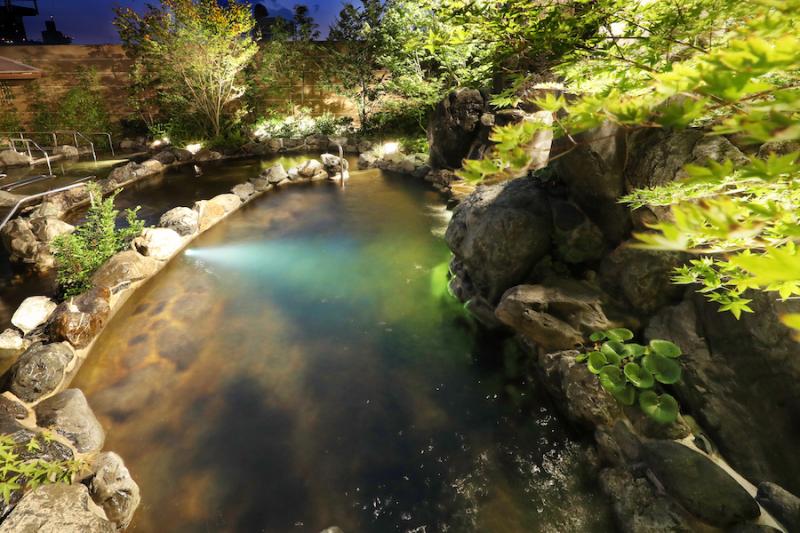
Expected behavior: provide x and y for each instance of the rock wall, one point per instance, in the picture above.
(547, 256)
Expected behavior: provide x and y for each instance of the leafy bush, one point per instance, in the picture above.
(631, 372)
(301, 124)
(20, 474)
(415, 145)
(81, 108)
(81, 253)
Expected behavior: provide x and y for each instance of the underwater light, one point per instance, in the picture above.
(390, 148)
(194, 147)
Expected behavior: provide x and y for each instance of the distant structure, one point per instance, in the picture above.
(51, 35)
(12, 27)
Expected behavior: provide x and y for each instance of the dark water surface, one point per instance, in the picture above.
(302, 366)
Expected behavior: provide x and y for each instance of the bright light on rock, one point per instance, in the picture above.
(391, 148)
(195, 147)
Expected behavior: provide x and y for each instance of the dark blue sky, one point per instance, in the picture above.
(89, 21)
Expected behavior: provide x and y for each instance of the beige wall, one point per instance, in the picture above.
(61, 63)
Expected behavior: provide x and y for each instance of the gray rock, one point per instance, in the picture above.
(698, 484)
(244, 191)
(166, 157)
(8, 199)
(639, 509)
(122, 174)
(334, 529)
(23, 245)
(308, 169)
(182, 220)
(47, 229)
(367, 160)
(182, 155)
(333, 164)
(207, 155)
(123, 269)
(32, 313)
(454, 126)
(228, 202)
(778, 148)
(68, 151)
(499, 233)
(158, 243)
(68, 414)
(275, 174)
(740, 380)
(81, 318)
(209, 213)
(149, 167)
(12, 409)
(555, 318)
(12, 158)
(113, 489)
(39, 371)
(12, 343)
(781, 503)
(57, 508)
(577, 238)
(642, 277)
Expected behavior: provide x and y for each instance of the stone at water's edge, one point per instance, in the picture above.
(697, 483)
(47, 229)
(228, 202)
(208, 214)
(124, 268)
(244, 191)
(554, 317)
(80, 319)
(39, 371)
(68, 414)
(8, 199)
(57, 508)
(32, 313)
(158, 243)
(499, 233)
(113, 488)
(12, 158)
(12, 342)
(180, 219)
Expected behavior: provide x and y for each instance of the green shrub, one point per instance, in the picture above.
(632, 372)
(20, 474)
(301, 124)
(81, 253)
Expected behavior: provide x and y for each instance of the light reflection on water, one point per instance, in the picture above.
(302, 366)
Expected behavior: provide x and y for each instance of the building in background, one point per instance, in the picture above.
(12, 24)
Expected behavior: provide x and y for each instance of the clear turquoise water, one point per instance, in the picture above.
(302, 366)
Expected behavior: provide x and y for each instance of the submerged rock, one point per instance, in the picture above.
(39, 371)
(57, 508)
(499, 233)
(32, 313)
(80, 319)
(698, 484)
(555, 318)
(68, 414)
(182, 220)
(113, 488)
(158, 243)
(124, 268)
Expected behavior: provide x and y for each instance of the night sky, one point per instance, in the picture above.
(89, 21)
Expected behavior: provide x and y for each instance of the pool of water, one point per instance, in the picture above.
(155, 195)
(302, 366)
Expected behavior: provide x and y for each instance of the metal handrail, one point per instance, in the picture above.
(75, 135)
(33, 197)
(341, 163)
(108, 135)
(12, 142)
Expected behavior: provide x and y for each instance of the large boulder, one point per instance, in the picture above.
(642, 277)
(454, 126)
(23, 245)
(39, 371)
(228, 202)
(166, 157)
(12, 158)
(12, 343)
(333, 163)
(68, 151)
(208, 213)
(47, 229)
(123, 269)
(577, 239)
(182, 220)
(8, 199)
(113, 489)
(701, 486)
(555, 318)
(68, 414)
(499, 233)
(309, 170)
(158, 243)
(740, 380)
(57, 508)
(784, 505)
(80, 319)
(32, 313)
